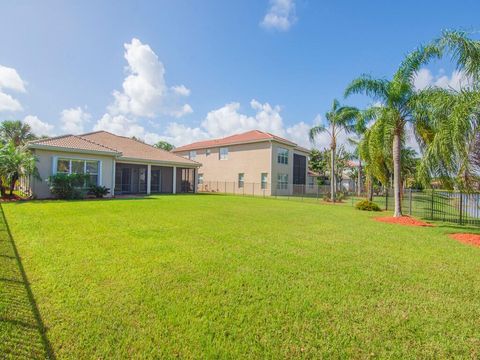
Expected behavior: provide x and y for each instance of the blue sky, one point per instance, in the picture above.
(188, 70)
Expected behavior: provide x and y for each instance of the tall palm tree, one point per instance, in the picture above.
(15, 131)
(398, 97)
(338, 119)
(451, 118)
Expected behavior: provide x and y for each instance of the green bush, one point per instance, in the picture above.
(68, 186)
(98, 191)
(367, 205)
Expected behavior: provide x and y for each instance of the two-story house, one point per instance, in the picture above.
(252, 162)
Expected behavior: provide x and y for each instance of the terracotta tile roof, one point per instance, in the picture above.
(73, 142)
(246, 137)
(134, 149)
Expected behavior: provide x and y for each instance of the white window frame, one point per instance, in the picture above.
(282, 156)
(241, 183)
(200, 179)
(208, 152)
(192, 155)
(282, 181)
(223, 155)
(56, 159)
(263, 182)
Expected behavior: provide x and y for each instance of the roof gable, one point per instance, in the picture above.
(134, 149)
(246, 137)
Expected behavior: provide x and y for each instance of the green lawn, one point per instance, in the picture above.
(212, 276)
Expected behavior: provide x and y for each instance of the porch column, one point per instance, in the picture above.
(195, 180)
(149, 178)
(174, 180)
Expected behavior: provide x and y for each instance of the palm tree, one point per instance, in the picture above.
(16, 162)
(15, 131)
(451, 118)
(339, 118)
(398, 98)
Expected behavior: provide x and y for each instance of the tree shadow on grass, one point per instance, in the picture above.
(22, 332)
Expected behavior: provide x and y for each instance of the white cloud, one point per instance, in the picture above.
(38, 126)
(456, 81)
(8, 103)
(120, 125)
(145, 92)
(10, 80)
(181, 90)
(280, 15)
(229, 119)
(74, 120)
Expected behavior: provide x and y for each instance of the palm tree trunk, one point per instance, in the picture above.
(333, 178)
(397, 177)
(370, 196)
(12, 184)
(359, 182)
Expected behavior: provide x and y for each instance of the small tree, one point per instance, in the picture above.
(16, 162)
(164, 145)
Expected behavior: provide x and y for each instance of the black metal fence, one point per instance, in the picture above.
(439, 205)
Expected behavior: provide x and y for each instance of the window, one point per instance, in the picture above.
(63, 166)
(241, 178)
(200, 179)
(282, 181)
(223, 153)
(74, 166)
(91, 168)
(263, 180)
(192, 155)
(282, 156)
(208, 152)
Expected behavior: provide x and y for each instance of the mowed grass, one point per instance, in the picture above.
(208, 276)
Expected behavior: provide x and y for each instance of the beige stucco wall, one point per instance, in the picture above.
(45, 168)
(284, 168)
(251, 159)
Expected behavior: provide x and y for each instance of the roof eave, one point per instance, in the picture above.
(159, 162)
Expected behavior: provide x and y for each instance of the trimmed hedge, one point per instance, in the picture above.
(366, 205)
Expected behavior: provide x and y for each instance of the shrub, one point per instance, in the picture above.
(68, 186)
(98, 191)
(367, 205)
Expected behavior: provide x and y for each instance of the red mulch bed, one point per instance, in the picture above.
(470, 239)
(9, 198)
(404, 220)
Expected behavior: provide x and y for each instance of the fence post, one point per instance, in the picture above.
(461, 207)
(410, 201)
(253, 189)
(431, 206)
(386, 198)
(225, 188)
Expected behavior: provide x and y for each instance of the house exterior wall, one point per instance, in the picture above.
(45, 168)
(251, 159)
(278, 168)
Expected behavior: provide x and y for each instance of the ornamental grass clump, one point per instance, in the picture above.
(366, 205)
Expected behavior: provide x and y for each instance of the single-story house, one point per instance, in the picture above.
(122, 164)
